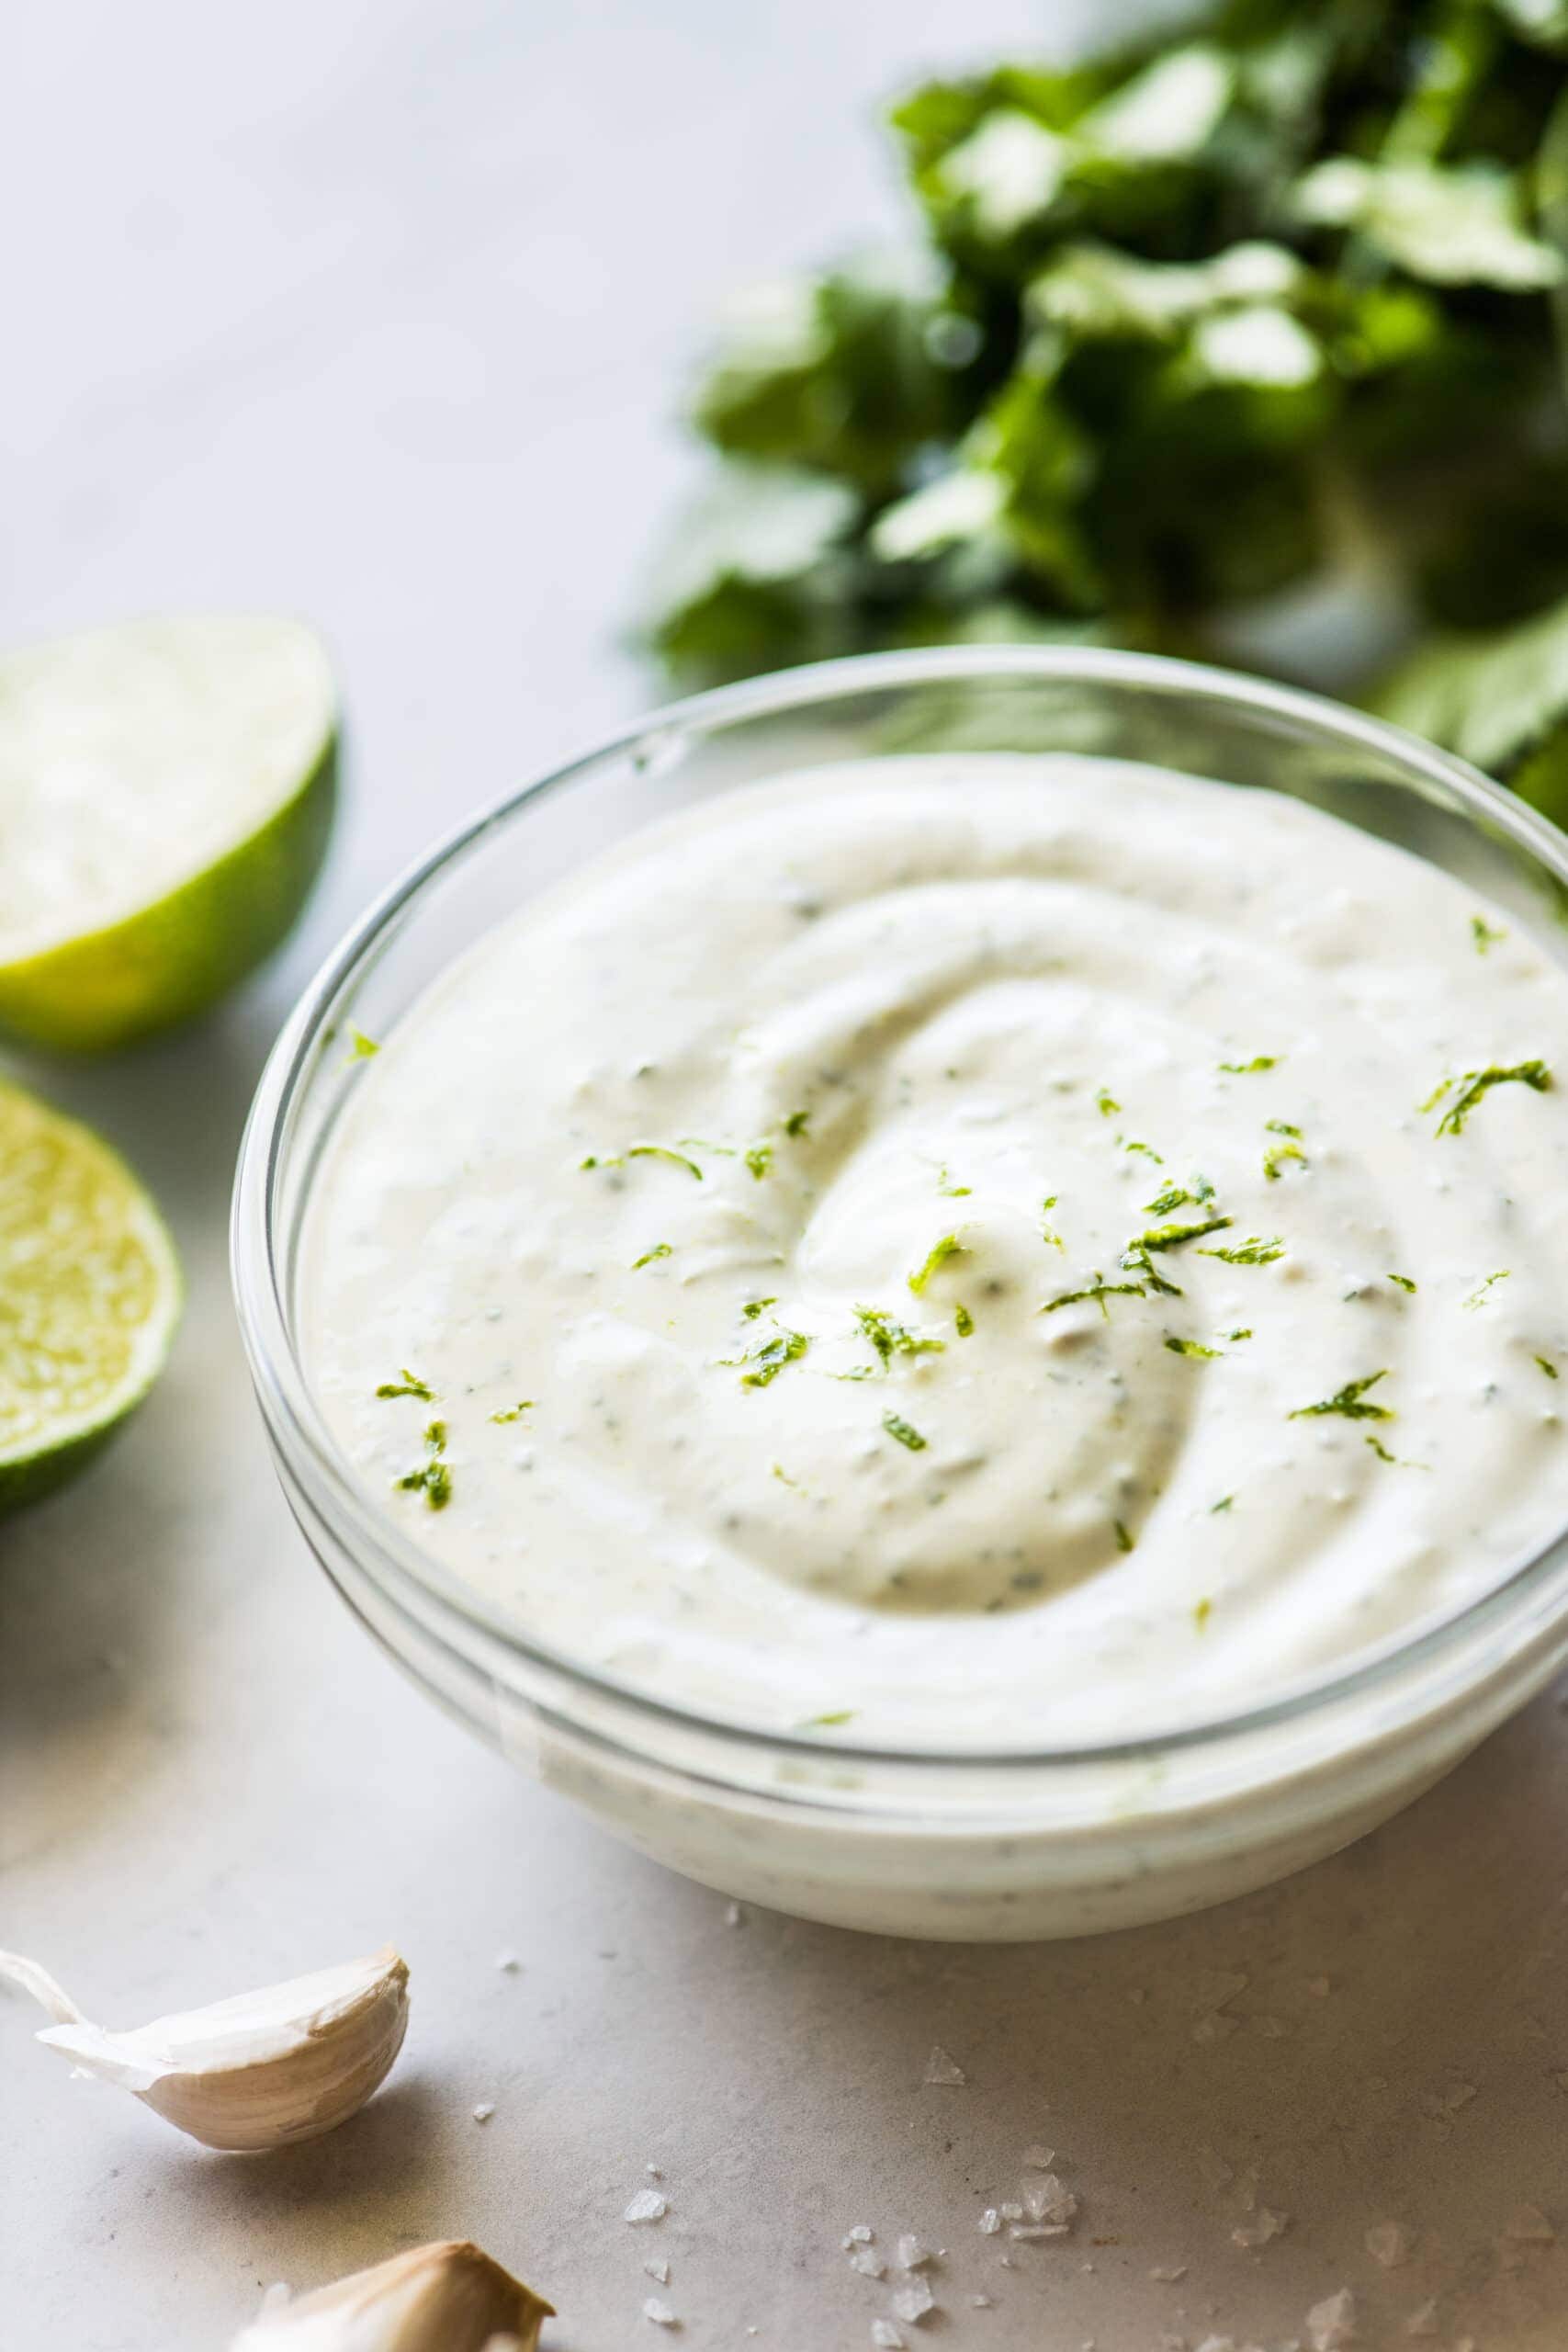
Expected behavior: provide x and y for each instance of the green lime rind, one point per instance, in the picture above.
(174, 960)
(169, 788)
(90, 1297)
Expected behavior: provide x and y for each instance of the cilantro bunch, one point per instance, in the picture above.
(1202, 321)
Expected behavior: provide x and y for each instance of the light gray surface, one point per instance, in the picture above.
(379, 314)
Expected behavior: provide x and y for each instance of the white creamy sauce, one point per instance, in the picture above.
(812, 1436)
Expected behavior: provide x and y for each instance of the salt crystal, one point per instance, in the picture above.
(1389, 2243)
(1010, 2212)
(1050, 2200)
(646, 2206)
(1030, 2230)
(1531, 2227)
(859, 2236)
(1216, 2174)
(1168, 2273)
(659, 2270)
(913, 2253)
(979, 2302)
(990, 2221)
(654, 2172)
(1265, 2225)
(942, 2068)
(508, 1962)
(913, 2302)
(1332, 2323)
(1423, 2320)
(734, 1916)
(1039, 2159)
(869, 2265)
(660, 2313)
(484, 2111)
(886, 2336)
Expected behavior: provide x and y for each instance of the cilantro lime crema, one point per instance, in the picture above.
(965, 1251)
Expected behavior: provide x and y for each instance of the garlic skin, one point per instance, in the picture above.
(261, 2070)
(448, 2297)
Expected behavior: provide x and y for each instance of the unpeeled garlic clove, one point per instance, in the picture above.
(260, 2070)
(443, 2298)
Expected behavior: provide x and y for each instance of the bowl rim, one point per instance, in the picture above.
(382, 1549)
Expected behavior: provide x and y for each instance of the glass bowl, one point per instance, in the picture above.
(979, 1846)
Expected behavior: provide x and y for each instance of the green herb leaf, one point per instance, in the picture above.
(1483, 934)
(964, 1322)
(754, 1307)
(1098, 1291)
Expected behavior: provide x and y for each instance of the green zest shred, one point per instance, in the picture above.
(1402, 1280)
(1477, 1296)
(433, 1478)
(948, 1246)
(1244, 1069)
(1477, 1083)
(1349, 1402)
(768, 1361)
(1123, 1534)
(904, 1431)
(1254, 1252)
(407, 1384)
(516, 1412)
(1189, 1347)
(1484, 936)
(890, 1338)
(365, 1048)
(754, 1306)
(1100, 1290)
(964, 1322)
(659, 1249)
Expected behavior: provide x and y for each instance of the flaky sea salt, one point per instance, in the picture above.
(660, 2313)
(1263, 2225)
(886, 2336)
(1010, 2212)
(1050, 2200)
(1039, 2159)
(869, 2265)
(484, 2111)
(1331, 2323)
(990, 2221)
(1031, 2230)
(943, 2068)
(1388, 2242)
(734, 1916)
(654, 2172)
(914, 2254)
(1169, 2273)
(658, 2270)
(913, 2302)
(508, 1963)
(979, 2302)
(646, 2206)
(859, 2236)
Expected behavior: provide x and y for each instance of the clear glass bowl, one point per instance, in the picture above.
(980, 1846)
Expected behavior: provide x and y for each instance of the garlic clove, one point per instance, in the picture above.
(443, 2298)
(261, 2070)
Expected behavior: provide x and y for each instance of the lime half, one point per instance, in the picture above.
(89, 1296)
(166, 792)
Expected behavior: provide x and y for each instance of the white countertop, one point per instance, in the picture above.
(380, 314)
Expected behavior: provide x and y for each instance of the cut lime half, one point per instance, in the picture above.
(89, 1296)
(166, 791)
